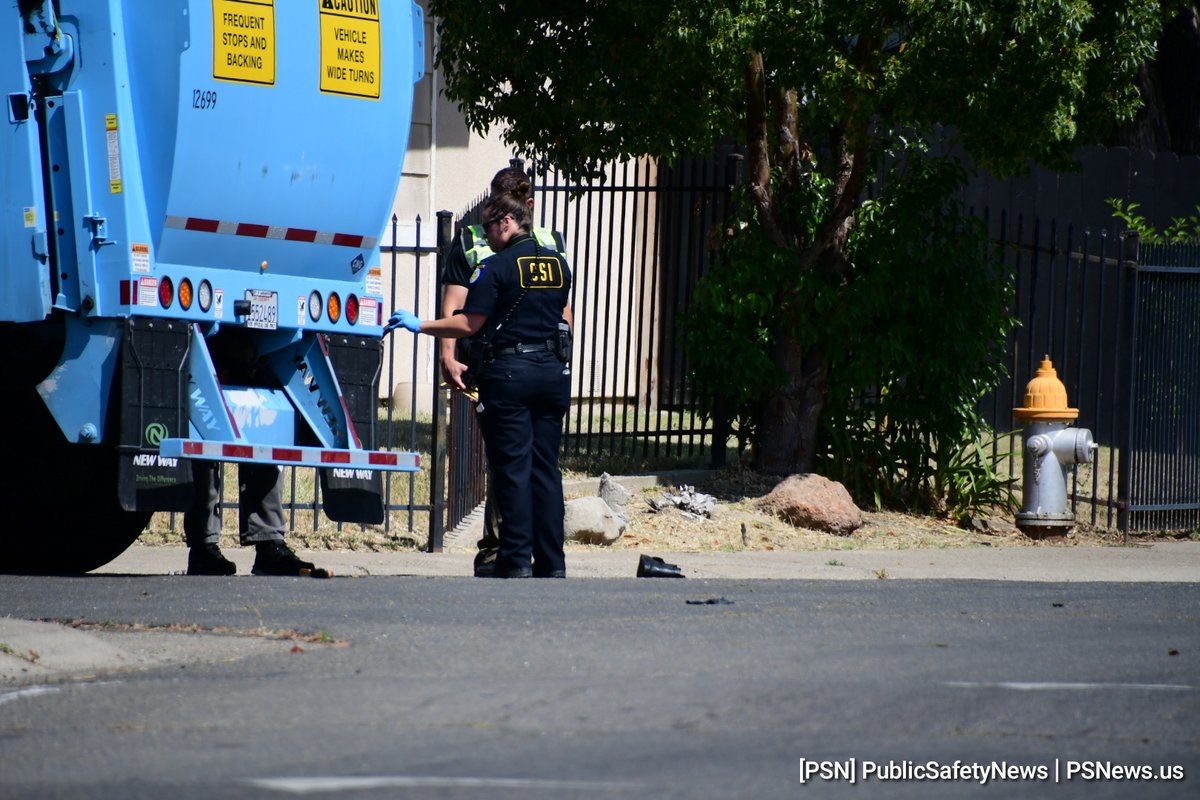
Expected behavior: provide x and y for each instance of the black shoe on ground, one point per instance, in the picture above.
(655, 567)
(276, 558)
(206, 559)
(485, 564)
(514, 572)
(554, 573)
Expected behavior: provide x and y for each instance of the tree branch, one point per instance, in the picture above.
(791, 151)
(758, 147)
(848, 143)
(829, 245)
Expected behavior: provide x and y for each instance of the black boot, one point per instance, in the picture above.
(485, 562)
(276, 558)
(655, 567)
(206, 559)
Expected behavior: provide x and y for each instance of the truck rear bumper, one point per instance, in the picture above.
(358, 460)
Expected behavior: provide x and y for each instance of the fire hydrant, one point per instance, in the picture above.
(1051, 446)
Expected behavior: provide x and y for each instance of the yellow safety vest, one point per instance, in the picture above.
(476, 247)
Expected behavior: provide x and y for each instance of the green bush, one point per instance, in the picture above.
(914, 338)
(925, 321)
(1182, 230)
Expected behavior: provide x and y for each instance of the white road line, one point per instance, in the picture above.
(32, 691)
(1071, 687)
(349, 783)
(314, 784)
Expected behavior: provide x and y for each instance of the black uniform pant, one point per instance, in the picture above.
(488, 546)
(524, 398)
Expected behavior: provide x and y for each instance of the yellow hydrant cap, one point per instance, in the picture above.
(1046, 397)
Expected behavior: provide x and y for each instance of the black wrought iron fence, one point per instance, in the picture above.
(1160, 427)
(1118, 322)
(636, 240)
(1121, 323)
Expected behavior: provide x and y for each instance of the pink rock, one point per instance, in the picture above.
(814, 502)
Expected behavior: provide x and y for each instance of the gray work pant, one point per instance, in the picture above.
(260, 504)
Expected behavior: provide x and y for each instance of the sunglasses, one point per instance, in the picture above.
(487, 223)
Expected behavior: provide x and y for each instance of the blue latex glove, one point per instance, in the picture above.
(403, 319)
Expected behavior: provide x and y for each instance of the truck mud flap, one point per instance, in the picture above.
(349, 494)
(154, 358)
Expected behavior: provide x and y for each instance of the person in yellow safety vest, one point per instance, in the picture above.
(476, 246)
(467, 251)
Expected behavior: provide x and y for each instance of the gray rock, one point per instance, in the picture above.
(590, 520)
(617, 497)
(814, 502)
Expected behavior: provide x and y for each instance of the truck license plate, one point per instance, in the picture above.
(264, 309)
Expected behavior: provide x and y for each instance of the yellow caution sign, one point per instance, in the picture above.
(350, 48)
(244, 41)
(113, 142)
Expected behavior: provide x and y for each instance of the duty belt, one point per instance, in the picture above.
(522, 347)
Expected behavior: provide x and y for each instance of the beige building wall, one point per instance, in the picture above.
(447, 167)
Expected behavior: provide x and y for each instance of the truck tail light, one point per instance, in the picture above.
(166, 292)
(314, 306)
(186, 295)
(205, 296)
(334, 307)
(352, 309)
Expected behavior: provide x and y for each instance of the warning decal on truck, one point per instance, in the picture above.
(114, 153)
(350, 47)
(139, 257)
(244, 41)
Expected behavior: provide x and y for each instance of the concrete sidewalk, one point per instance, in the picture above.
(1159, 562)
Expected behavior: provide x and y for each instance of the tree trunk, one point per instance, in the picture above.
(786, 440)
(1170, 119)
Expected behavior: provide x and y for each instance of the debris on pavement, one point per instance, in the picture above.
(688, 500)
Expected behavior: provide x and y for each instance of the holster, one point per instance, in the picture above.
(563, 343)
(476, 353)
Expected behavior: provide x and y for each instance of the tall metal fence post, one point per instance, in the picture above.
(1125, 391)
(437, 450)
(720, 421)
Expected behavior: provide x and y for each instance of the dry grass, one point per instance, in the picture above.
(736, 524)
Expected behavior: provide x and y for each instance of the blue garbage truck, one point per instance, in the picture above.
(193, 194)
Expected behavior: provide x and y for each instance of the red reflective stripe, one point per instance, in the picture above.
(257, 231)
(198, 224)
(297, 455)
(248, 229)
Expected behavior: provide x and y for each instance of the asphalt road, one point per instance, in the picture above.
(460, 688)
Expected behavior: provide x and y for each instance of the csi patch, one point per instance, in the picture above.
(543, 271)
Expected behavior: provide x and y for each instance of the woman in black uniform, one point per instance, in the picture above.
(519, 301)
